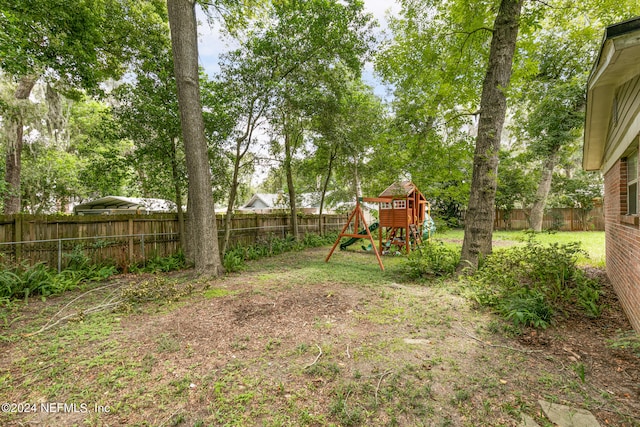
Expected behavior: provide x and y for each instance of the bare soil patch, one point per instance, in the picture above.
(295, 341)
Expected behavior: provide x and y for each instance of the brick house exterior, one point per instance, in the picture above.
(611, 144)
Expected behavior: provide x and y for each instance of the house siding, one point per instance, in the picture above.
(623, 128)
(622, 243)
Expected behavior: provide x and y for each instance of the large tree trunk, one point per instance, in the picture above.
(13, 159)
(544, 186)
(202, 219)
(478, 227)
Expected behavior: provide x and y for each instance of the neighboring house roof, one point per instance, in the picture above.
(266, 201)
(281, 200)
(117, 204)
(403, 189)
(618, 61)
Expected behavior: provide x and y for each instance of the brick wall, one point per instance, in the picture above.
(622, 243)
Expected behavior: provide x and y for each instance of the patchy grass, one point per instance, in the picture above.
(295, 341)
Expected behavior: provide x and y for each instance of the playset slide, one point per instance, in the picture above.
(374, 226)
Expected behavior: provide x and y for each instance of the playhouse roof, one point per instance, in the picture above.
(401, 189)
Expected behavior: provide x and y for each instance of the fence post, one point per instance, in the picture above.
(144, 258)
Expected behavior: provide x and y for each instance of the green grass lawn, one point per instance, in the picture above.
(591, 241)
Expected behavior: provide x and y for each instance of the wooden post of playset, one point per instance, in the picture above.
(358, 216)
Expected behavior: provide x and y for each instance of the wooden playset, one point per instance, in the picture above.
(402, 213)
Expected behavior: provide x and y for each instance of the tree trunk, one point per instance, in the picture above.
(202, 219)
(325, 185)
(13, 159)
(189, 230)
(544, 186)
(478, 227)
(288, 155)
(357, 185)
(233, 193)
(178, 193)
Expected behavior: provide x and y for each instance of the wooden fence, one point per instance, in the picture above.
(564, 219)
(124, 239)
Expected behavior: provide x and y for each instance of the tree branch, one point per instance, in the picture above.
(317, 358)
(457, 116)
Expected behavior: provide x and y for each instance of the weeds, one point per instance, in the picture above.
(629, 340)
(580, 370)
(345, 414)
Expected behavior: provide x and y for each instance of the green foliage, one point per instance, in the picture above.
(49, 175)
(528, 284)
(77, 259)
(233, 260)
(158, 264)
(579, 191)
(23, 280)
(104, 166)
(74, 40)
(515, 184)
(527, 308)
(432, 260)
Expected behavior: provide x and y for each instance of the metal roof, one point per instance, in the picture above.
(119, 203)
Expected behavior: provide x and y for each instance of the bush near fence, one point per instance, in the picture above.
(561, 219)
(129, 239)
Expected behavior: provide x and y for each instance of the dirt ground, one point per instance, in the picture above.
(294, 341)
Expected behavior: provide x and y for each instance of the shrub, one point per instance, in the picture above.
(432, 260)
(528, 283)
